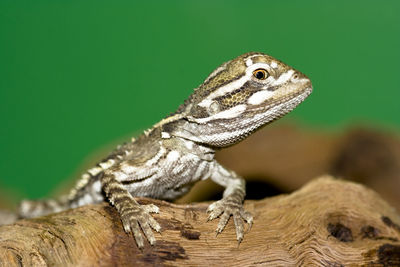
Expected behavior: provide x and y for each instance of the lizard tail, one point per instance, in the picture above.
(30, 209)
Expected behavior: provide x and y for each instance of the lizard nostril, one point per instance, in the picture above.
(296, 77)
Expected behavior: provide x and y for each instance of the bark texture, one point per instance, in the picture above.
(327, 222)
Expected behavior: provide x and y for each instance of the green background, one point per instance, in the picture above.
(78, 75)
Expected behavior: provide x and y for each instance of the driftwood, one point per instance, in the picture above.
(328, 222)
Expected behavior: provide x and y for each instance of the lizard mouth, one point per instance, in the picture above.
(285, 104)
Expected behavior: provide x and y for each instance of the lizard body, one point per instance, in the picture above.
(236, 99)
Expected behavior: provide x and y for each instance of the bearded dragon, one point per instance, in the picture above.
(235, 100)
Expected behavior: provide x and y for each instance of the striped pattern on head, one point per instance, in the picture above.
(240, 96)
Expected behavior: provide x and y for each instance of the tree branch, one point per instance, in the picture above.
(327, 222)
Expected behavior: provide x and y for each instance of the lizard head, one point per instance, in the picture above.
(239, 97)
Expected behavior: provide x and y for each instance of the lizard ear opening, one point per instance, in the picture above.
(213, 108)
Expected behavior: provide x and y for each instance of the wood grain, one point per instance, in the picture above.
(327, 222)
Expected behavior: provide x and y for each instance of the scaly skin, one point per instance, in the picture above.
(236, 99)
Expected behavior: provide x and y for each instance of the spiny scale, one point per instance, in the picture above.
(236, 99)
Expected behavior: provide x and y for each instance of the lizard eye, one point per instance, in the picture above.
(260, 74)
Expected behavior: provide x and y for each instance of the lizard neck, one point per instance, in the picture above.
(166, 132)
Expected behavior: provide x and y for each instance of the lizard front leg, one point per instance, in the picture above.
(133, 215)
(232, 202)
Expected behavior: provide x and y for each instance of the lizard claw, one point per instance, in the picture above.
(225, 208)
(138, 217)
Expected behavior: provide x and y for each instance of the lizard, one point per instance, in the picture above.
(236, 99)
